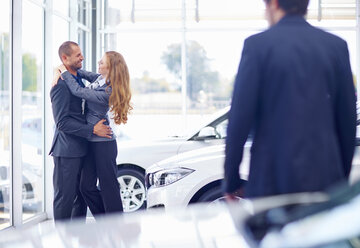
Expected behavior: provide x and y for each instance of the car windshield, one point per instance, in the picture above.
(205, 120)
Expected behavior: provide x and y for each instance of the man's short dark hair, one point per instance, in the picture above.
(66, 48)
(295, 7)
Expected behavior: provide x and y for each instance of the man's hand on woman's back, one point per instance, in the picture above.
(102, 130)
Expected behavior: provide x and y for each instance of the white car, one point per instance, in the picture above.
(135, 157)
(196, 176)
(190, 177)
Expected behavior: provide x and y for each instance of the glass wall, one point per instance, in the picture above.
(182, 57)
(61, 21)
(84, 31)
(29, 42)
(5, 136)
(59, 35)
(61, 7)
(194, 46)
(32, 108)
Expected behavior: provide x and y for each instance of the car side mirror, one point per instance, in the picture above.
(206, 133)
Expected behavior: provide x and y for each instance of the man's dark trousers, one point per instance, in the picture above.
(68, 201)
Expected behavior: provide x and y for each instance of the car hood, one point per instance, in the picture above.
(135, 151)
(193, 156)
(189, 159)
(210, 154)
(129, 144)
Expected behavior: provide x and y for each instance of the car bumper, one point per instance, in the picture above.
(165, 198)
(179, 193)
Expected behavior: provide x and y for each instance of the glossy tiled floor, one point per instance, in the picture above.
(196, 227)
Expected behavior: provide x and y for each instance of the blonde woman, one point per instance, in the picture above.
(109, 90)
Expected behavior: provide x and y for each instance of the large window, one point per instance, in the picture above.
(5, 135)
(61, 7)
(83, 30)
(32, 108)
(211, 67)
(183, 55)
(31, 32)
(61, 21)
(60, 34)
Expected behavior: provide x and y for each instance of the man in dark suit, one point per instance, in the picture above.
(70, 139)
(294, 90)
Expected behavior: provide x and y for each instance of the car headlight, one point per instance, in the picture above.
(168, 176)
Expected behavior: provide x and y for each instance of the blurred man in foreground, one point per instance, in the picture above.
(294, 89)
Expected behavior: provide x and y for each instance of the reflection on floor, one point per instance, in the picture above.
(292, 221)
(195, 227)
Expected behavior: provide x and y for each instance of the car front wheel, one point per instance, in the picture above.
(132, 189)
(211, 195)
(214, 195)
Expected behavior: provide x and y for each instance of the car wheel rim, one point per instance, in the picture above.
(24, 192)
(132, 193)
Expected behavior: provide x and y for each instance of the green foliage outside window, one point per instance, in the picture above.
(29, 72)
(200, 77)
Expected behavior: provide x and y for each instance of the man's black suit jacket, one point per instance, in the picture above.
(294, 89)
(71, 127)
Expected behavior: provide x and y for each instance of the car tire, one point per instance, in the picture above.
(27, 191)
(132, 189)
(211, 195)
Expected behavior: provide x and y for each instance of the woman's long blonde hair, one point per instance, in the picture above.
(119, 80)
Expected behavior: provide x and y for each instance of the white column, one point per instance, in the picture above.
(16, 96)
(99, 43)
(99, 13)
(48, 118)
(73, 23)
(183, 63)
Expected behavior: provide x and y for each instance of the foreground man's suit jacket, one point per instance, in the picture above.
(294, 89)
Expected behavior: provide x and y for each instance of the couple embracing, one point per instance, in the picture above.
(84, 148)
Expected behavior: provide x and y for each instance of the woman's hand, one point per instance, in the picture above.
(62, 68)
(57, 74)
